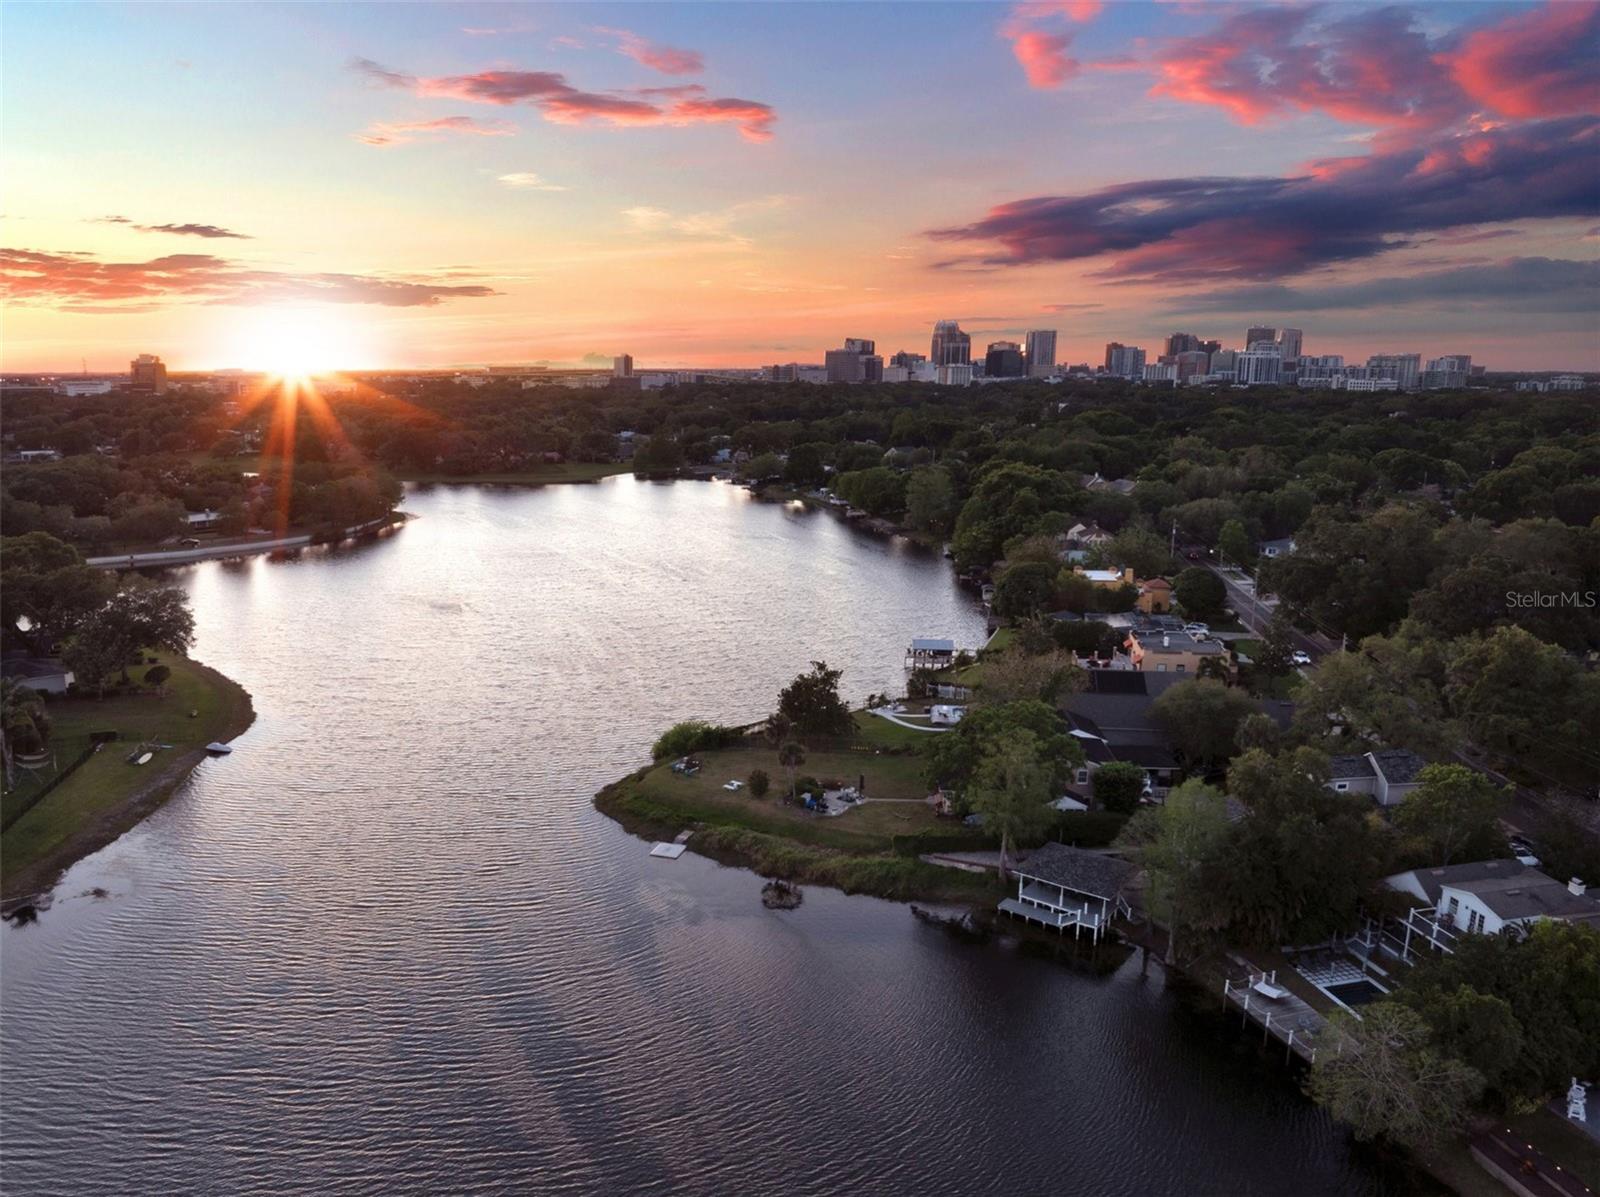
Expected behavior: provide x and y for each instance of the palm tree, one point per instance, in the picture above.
(24, 723)
(791, 756)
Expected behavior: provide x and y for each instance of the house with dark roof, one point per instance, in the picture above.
(43, 675)
(1486, 896)
(1387, 774)
(1063, 887)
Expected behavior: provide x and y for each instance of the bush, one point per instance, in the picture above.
(759, 783)
(1118, 785)
(693, 735)
(156, 676)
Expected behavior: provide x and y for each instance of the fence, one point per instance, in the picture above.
(18, 804)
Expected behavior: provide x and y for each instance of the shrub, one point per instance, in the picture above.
(693, 735)
(759, 783)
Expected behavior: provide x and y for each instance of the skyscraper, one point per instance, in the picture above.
(149, 374)
(1258, 367)
(1003, 360)
(1252, 335)
(622, 366)
(1181, 342)
(1402, 367)
(1124, 361)
(1041, 352)
(908, 360)
(951, 346)
(856, 362)
(1289, 345)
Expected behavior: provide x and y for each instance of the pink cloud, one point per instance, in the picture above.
(382, 133)
(1373, 67)
(1044, 58)
(669, 60)
(561, 103)
(1533, 64)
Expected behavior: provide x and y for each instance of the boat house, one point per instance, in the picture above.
(926, 653)
(1063, 887)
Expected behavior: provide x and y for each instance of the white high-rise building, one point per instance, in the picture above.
(1040, 351)
(622, 366)
(1258, 367)
(1289, 345)
(1404, 368)
(1124, 361)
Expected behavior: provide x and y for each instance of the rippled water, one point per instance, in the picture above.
(388, 945)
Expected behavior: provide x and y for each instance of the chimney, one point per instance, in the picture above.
(1166, 640)
(1576, 888)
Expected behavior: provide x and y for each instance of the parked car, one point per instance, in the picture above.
(1199, 631)
(189, 542)
(1299, 657)
(1522, 849)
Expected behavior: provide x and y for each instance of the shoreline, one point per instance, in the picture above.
(26, 885)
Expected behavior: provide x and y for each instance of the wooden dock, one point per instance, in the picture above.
(1283, 1016)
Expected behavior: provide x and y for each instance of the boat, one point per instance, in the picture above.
(144, 758)
(218, 747)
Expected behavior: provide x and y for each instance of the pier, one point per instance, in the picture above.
(1280, 1014)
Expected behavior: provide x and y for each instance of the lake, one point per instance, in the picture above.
(388, 945)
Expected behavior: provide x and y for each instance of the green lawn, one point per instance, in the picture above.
(87, 808)
(880, 733)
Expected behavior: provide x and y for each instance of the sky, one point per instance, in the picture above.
(388, 185)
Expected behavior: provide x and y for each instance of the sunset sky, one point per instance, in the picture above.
(738, 184)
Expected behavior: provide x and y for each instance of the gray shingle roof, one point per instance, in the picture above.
(1089, 873)
(1347, 767)
(1399, 766)
(1431, 880)
(1531, 894)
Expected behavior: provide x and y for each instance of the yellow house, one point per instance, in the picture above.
(1155, 596)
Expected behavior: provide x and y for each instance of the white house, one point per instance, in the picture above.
(1486, 896)
(946, 714)
(45, 675)
(1281, 547)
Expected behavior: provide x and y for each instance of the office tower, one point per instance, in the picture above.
(955, 374)
(149, 374)
(1180, 343)
(909, 361)
(1252, 335)
(1191, 363)
(1210, 346)
(1404, 368)
(1160, 372)
(951, 346)
(622, 366)
(1041, 352)
(1003, 360)
(1258, 367)
(1449, 371)
(1124, 361)
(856, 362)
(1289, 345)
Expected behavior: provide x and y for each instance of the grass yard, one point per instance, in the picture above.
(880, 733)
(91, 806)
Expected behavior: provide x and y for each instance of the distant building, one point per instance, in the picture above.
(1124, 361)
(1003, 360)
(909, 361)
(149, 374)
(74, 387)
(1404, 368)
(1258, 367)
(957, 374)
(1160, 372)
(622, 366)
(951, 346)
(858, 361)
(1180, 342)
(1289, 345)
(1191, 364)
(1260, 333)
(1041, 352)
(1449, 371)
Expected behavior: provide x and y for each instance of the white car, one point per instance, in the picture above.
(1299, 657)
(1198, 630)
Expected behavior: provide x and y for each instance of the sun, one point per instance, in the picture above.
(297, 342)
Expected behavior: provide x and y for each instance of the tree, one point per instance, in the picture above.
(1258, 731)
(812, 704)
(1277, 645)
(759, 783)
(1012, 676)
(1234, 545)
(953, 758)
(45, 581)
(804, 467)
(658, 456)
(1025, 589)
(1141, 551)
(764, 466)
(1202, 718)
(1011, 790)
(1453, 813)
(24, 723)
(1200, 593)
(682, 738)
(156, 676)
(141, 615)
(1177, 844)
(791, 756)
(930, 500)
(1380, 1074)
(1118, 786)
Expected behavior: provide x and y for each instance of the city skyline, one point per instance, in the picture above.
(495, 184)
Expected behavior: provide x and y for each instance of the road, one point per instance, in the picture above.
(1255, 612)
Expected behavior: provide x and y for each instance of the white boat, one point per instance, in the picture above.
(144, 758)
(218, 747)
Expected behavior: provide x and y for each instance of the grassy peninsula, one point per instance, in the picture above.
(105, 796)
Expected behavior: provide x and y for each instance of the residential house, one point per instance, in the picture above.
(1484, 897)
(1087, 535)
(1172, 652)
(1063, 887)
(1106, 578)
(1111, 722)
(1155, 596)
(1388, 774)
(1094, 482)
(1281, 547)
(44, 675)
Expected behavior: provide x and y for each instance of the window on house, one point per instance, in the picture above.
(1083, 777)
(1474, 922)
(1341, 785)
(1161, 668)
(1455, 904)
(1181, 668)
